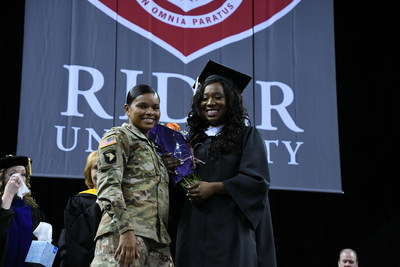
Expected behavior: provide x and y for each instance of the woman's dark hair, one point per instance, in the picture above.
(138, 90)
(234, 124)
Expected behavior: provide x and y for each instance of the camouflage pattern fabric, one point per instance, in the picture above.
(151, 253)
(132, 185)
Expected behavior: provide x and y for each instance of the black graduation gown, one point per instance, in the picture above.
(81, 220)
(6, 220)
(233, 229)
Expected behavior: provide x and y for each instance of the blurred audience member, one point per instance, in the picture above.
(19, 212)
(348, 258)
(81, 218)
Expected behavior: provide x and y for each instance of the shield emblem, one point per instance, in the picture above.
(189, 29)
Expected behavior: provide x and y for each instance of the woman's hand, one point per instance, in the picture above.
(13, 184)
(127, 250)
(171, 163)
(200, 191)
(10, 190)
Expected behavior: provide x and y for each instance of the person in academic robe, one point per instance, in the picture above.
(19, 212)
(225, 220)
(82, 216)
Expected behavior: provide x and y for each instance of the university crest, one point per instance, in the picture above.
(189, 29)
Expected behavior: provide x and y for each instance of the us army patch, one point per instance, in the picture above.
(108, 141)
(109, 156)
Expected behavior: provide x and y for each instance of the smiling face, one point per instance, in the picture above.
(214, 104)
(144, 111)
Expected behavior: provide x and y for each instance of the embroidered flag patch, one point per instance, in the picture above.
(108, 141)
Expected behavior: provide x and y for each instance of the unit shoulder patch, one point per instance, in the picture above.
(110, 156)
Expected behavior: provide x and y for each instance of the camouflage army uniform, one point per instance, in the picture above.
(133, 189)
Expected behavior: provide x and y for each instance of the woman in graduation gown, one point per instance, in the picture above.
(226, 219)
(82, 216)
(19, 212)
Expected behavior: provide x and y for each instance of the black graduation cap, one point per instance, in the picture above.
(212, 68)
(10, 161)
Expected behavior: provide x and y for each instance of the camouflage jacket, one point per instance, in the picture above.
(132, 185)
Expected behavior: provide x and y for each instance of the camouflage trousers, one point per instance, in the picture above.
(152, 254)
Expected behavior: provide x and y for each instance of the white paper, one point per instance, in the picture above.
(23, 190)
(44, 232)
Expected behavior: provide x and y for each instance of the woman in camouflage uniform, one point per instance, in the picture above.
(133, 189)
